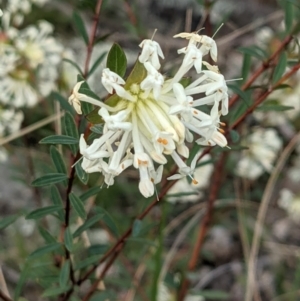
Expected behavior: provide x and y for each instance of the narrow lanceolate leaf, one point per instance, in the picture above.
(97, 63)
(48, 238)
(6, 221)
(74, 65)
(57, 160)
(280, 67)
(71, 130)
(59, 139)
(92, 191)
(109, 221)
(22, 280)
(70, 126)
(68, 240)
(274, 107)
(62, 101)
(64, 274)
(78, 22)
(136, 228)
(289, 15)
(246, 67)
(49, 179)
(55, 291)
(56, 200)
(77, 205)
(44, 250)
(116, 60)
(89, 223)
(41, 212)
(82, 175)
(254, 51)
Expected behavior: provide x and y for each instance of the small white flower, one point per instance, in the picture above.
(74, 98)
(150, 52)
(263, 146)
(112, 81)
(154, 81)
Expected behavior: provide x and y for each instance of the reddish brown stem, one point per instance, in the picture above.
(92, 38)
(264, 66)
(205, 223)
(264, 95)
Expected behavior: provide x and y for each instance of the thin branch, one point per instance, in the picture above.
(94, 287)
(264, 95)
(216, 180)
(264, 66)
(92, 38)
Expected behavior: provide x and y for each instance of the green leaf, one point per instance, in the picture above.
(235, 137)
(8, 220)
(86, 108)
(288, 15)
(94, 118)
(82, 175)
(62, 100)
(280, 67)
(64, 274)
(71, 130)
(274, 107)
(68, 238)
(246, 67)
(97, 63)
(77, 205)
(89, 223)
(49, 239)
(49, 179)
(213, 295)
(116, 60)
(70, 126)
(86, 262)
(54, 291)
(57, 160)
(254, 51)
(108, 220)
(137, 75)
(78, 22)
(74, 65)
(24, 276)
(56, 200)
(97, 129)
(136, 228)
(59, 139)
(41, 212)
(92, 191)
(244, 95)
(44, 250)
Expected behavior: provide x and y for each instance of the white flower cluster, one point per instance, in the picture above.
(30, 62)
(263, 147)
(17, 9)
(290, 202)
(155, 118)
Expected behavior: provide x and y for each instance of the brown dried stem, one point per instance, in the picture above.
(4, 297)
(216, 180)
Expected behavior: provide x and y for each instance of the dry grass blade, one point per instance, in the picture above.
(251, 283)
(30, 128)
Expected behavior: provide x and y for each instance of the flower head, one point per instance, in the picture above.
(153, 117)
